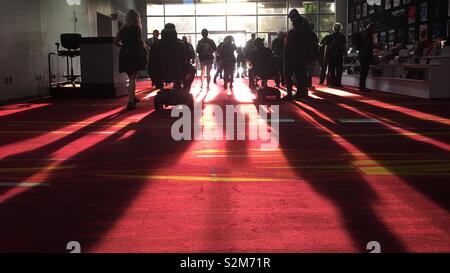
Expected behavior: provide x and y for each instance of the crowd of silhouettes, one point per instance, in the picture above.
(290, 61)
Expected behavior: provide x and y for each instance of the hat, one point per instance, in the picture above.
(294, 13)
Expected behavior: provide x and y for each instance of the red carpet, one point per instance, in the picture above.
(350, 169)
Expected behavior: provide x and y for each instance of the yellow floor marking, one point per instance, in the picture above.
(387, 134)
(199, 178)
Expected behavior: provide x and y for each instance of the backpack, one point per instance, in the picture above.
(205, 48)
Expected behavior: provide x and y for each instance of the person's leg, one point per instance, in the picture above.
(132, 90)
(301, 79)
(309, 74)
(202, 77)
(218, 72)
(244, 69)
(364, 73)
(339, 70)
(332, 71)
(231, 75)
(209, 68)
(225, 76)
(289, 83)
(251, 78)
(323, 72)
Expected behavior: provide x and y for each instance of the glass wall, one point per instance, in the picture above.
(237, 17)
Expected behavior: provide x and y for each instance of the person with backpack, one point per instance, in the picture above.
(335, 52)
(300, 50)
(205, 49)
(228, 60)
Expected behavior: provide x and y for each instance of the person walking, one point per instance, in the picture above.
(205, 49)
(365, 45)
(336, 46)
(300, 50)
(228, 60)
(278, 53)
(133, 55)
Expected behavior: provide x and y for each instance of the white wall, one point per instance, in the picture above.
(28, 32)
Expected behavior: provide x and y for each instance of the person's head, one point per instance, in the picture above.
(133, 19)
(155, 34)
(169, 35)
(185, 39)
(170, 26)
(259, 43)
(280, 35)
(293, 14)
(253, 36)
(296, 19)
(229, 39)
(337, 27)
(205, 33)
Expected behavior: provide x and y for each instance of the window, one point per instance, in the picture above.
(272, 7)
(180, 9)
(272, 23)
(239, 23)
(155, 23)
(182, 24)
(238, 17)
(216, 23)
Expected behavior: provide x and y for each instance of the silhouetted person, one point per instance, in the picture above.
(312, 64)
(191, 69)
(296, 56)
(219, 66)
(336, 46)
(263, 64)
(171, 50)
(241, 62)
(154, 39)
(149, 43)
(249, 47)
(190, 49)
(133, 53)
(278, 45)
(228, 60)
(365, 45)
(323, 60)
(205, 49)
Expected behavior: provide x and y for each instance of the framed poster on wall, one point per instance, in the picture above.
(424, 12)
(388, 4)
(371, 9)
(448, 28)
(448, 12)
(364, 10)
(423, 33)
(358, 12)
(412, 15)
(437, 30)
